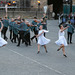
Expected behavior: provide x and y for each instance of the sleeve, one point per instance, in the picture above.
(46, 31)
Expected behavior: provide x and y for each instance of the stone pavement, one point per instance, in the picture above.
(25, 60)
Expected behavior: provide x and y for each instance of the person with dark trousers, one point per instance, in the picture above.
(34, 28)
(10, 27)
(22, 28)
(15, 31)
(70, 32)
(74, 19)
(28, 33)
(5, 27)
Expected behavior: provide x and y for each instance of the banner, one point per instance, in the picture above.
(6, 7)
(45, 9)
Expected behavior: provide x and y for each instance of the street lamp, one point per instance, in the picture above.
(14, 4)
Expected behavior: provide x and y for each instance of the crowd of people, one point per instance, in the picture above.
(20, 29)
(20, 32)
(70, 17)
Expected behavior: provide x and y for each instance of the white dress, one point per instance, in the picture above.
(2, 41)
(41, 39)
(61, 39)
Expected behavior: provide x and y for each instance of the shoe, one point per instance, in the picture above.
(64, 55)
(12, 41)
(46, 51)
(58, 49)
(30, 45)
(26, 45)
(18, 45)
(70, 42)
(38, 52)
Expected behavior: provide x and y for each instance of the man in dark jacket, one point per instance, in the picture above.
(70, 32)
(22, 28)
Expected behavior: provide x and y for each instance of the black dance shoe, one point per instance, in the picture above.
(70, 42)
(46, 51)
(38, 52)
(58, 49)
(12, 41)
(18, 45)
(64, 55)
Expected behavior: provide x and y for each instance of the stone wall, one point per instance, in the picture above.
(73, 2)
(23, 14)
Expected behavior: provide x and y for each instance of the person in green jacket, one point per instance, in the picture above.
(15, 31)
(22, 28)
(10, 27)
(70, 32)
(35, 28)
(5, 27)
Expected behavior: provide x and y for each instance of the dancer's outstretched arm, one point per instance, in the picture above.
(1, 26)
(64, 28)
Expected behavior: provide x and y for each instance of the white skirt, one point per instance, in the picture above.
(2, 41)
(61, 41)
(43, 41)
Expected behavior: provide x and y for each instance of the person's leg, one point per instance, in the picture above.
(38, 49)
(19, 39)
(60, 48)
(63, 49)
(36, 33)
(68, 37)
(10, 34)
(5, 30)
(12, 38)
(29, 39)
(71, 38)
(45, 48)
(25, 40)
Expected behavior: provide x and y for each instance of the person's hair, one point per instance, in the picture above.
(69, 21)
(5, 17)
(15, 19)
(23, 19)
(60, 25)
(35, 17)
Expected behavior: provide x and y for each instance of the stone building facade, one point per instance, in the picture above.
(32, 3)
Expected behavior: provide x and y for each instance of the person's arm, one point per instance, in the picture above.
(64, 28)
(1, 26)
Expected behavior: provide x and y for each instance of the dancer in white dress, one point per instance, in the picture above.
(41, 39)
(2, 41)
(62, 41)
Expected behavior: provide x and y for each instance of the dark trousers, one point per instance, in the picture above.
(14, 37)
(21, 37)
(10, 34)
(69, 39)
(28, 38)
(4, 32)
(36, 33)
